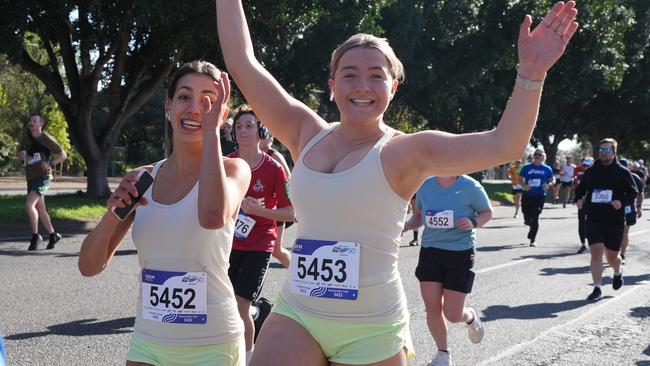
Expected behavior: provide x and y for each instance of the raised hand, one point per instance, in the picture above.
(214, 113)
(540, 49)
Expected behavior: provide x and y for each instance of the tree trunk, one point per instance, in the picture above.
(97, 182)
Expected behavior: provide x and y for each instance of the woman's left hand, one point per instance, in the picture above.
(214, 113)
(464, 224)
(540, 49)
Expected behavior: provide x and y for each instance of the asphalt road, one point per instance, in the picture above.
(532, 301)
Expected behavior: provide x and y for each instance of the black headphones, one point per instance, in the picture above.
(262, 131)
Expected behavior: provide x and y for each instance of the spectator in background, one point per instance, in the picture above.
(228, 145)
(37, 150)
(633, 208)
(513, 175)
(279, 252)
(566, 179)
(579, 171)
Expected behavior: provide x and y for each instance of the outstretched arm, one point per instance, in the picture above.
(439, 153)
(222, 181)
(292, 122)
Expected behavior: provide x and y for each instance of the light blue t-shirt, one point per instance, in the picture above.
(465, 198)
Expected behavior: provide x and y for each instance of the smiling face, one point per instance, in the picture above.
(362, 84)
(185, 105)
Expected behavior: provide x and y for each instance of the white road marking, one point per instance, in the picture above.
(515, 262)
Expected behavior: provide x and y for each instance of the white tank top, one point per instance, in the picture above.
(356, 205)
(170, 238)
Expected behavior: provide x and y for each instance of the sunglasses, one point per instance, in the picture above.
(605, 150)
(538, 155)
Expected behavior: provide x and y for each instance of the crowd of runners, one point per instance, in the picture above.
(215, 213)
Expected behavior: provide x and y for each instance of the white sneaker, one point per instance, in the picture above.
(441, 359)
(475, 329)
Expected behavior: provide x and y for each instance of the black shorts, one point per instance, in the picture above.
(609, 234)
(566, 184)
(518, 190)
(247, 271)
(451, 268)
(630, 219)
(38, 185)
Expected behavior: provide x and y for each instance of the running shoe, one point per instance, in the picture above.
(582, 250)
(515, 216)
(617, 281)
(33, 242)
(533, 243)
(595, 295)
(414, 243)
(54, 238)
(622, 259)
(442, 359)
(263, 306)
(475, 329)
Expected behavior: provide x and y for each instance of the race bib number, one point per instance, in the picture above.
(328, 269)
(243, 226)
(516, 186)
(534, 183)
(628, 210)
(34, 159)
(174, 297)
(601, 196)
(440, 219)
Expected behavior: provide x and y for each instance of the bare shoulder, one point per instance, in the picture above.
(236, 167)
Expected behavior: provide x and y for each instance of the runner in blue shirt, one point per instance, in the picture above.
(451, 208)
(538, 178)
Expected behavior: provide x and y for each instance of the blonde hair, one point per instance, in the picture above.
(368, 41)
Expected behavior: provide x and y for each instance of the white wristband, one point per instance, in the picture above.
(528, 84)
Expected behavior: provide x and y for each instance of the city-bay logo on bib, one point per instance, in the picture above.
(192, 279)
(343, 251)
(258, 187)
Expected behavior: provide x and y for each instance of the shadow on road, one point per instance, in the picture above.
(498, 248)
(568, 270)
(80, 328)
(640, 312)
(501, 226)
(548, 256)
(531, 311)
(21, 231)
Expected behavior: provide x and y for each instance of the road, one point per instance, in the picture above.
(532, 301)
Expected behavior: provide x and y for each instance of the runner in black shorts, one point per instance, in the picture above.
(633, 209)
(266, 202)
(447, 255)
(604, 189)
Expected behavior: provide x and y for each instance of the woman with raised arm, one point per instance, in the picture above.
(183, 229)
(343, 302)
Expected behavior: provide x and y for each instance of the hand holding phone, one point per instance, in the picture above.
(144, 180)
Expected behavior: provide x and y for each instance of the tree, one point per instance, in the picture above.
(125, 49)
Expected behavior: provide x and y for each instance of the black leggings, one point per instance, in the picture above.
(582, 223)
(531, 207)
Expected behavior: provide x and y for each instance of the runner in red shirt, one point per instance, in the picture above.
(265, 203)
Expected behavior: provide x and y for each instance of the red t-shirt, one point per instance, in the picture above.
(269, 185)
(577, 174)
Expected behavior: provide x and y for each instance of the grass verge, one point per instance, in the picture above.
(499, 192)
(75, 207)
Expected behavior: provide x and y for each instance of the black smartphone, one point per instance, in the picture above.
(145, 180)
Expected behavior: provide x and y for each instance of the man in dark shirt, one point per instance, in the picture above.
(633, 208)
(603, 190)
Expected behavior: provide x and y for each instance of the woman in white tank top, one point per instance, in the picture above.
(352, 182)
(183, 228)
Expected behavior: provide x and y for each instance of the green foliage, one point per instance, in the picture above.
(57, 126)
(7, 153)
(60, 207)
(75, 164)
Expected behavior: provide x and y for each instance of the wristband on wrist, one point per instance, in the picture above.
(473, 220)
(531, 85)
